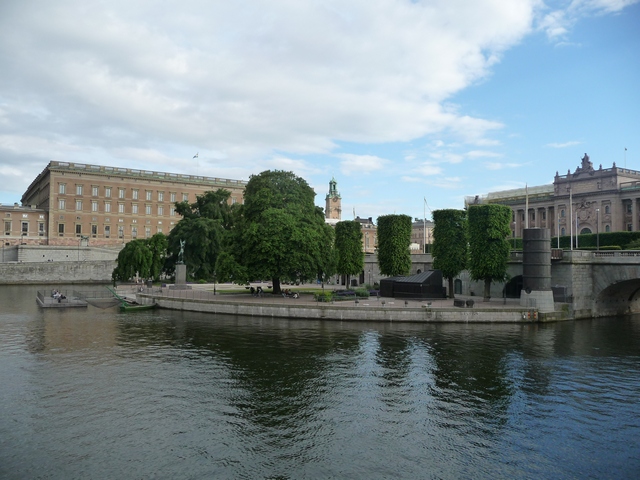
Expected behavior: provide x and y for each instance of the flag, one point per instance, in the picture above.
(195, 156)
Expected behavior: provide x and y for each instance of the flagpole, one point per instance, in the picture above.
(570, 218)
(526, 206)
(424, 223)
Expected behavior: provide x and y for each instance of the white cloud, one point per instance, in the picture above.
(360, 164)
(500, 166)
(562, 145)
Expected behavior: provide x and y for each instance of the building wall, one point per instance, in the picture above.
(109, 205)
(23, 225)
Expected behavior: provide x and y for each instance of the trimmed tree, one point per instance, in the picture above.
(350, 256)
(282, 234)
(450, 244)
(394, 239)
(489, 230)
(135, 258)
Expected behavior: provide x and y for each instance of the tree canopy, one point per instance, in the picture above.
(202, 227)
(489, 230)
(394, 238)
(348, 244)
(450, 244)
(281, 234)
(141, 257)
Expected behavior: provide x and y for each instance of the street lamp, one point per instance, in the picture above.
(597, 229)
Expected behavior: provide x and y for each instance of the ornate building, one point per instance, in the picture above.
(333, 203)
(70, 202)
(586, 201)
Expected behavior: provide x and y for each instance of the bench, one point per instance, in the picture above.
(458, 303)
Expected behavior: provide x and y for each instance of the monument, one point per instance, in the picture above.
(536, 270)
(181, 270)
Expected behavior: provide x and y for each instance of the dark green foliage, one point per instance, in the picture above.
(348, 245)
(281, 235)
(489, 230)
(158, 245)
(394, 238)
(450, 244)
(622, 239)
(202, 227)
(136, 258)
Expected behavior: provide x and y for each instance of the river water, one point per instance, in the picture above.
(95, 393)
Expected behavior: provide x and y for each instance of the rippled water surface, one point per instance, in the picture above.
(99, 394)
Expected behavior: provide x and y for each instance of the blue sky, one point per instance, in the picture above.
(399, 100)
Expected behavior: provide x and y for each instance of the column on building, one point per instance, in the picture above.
(518, 229)
(634, 214)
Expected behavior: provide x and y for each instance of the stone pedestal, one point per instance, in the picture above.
(181, 278)
(542, 300)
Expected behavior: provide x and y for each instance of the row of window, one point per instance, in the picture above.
(24, 228)
(107, 230)
(135, 193)
(607, 210)
(135, 208)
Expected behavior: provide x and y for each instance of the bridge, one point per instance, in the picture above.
(592, 283)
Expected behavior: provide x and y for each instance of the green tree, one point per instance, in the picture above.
(394, 238)
(281, 235)
(202, 227)
(158, 245)
(489, 230)
(450, 244)
(349, 252)
(135, 258)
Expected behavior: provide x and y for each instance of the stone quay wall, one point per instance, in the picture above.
(14, 273)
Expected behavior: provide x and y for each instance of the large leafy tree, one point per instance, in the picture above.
(450, 244)
(281, 235)
(394, 238)
(135, 258)
(349, 252)
(202, 227)
(489, 230)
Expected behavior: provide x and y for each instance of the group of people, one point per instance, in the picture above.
(256, 292)
(57, 295)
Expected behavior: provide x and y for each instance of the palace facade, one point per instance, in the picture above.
(586, 201)
(70, 203)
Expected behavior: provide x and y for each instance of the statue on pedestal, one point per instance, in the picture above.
(181, 253)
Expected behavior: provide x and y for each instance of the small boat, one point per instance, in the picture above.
(127, 305)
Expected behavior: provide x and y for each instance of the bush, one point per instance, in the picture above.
(323, 296)
(362, 292)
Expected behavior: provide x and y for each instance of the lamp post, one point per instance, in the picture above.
(597, 229)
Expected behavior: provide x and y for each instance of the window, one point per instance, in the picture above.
(62, 188)
(148, 195)
(25, 228)
(121, 193)
(160, 210)
(94, 206)
(172, 211)
(134, 208)
(134, 232)
(562, 214)
(159, 229)
(629, 208)
(7, 228)
(121, 208)
(234, 200)
(147, 209)
(62, 204)
(172, 196)
(607, 228)
(629, 227)
(134, 194)
(161, 196)
(107, 207)
(94, 230)
(94, 190)
(120, 231)
(78, 229)
(107, 231)
(147, 232)
(78, 189)
(79, 205)
(61, 229)
(607, 209)
(544, 215)
(41, 229)
(185, 197)
(107, 192)
(562, 231)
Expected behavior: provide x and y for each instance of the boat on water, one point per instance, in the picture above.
(128, 305)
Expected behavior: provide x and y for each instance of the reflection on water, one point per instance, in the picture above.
(101, 394)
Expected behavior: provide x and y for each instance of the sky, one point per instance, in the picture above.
(409, 105)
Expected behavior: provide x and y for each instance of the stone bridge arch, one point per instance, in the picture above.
(616, 289)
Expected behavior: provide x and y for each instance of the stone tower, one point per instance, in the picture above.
(333, 206)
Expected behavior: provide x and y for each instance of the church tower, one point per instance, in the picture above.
(333, 206)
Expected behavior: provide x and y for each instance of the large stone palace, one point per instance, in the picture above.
(586, 201)
(70, 203)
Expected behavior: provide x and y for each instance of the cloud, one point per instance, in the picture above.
(360, 164)
(501, 166)
(562, 145)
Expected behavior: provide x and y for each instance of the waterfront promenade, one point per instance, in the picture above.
(201, 298)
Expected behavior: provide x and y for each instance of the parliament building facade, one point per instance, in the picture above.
(586, 201)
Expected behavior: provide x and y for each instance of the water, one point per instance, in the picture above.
(99, 394)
